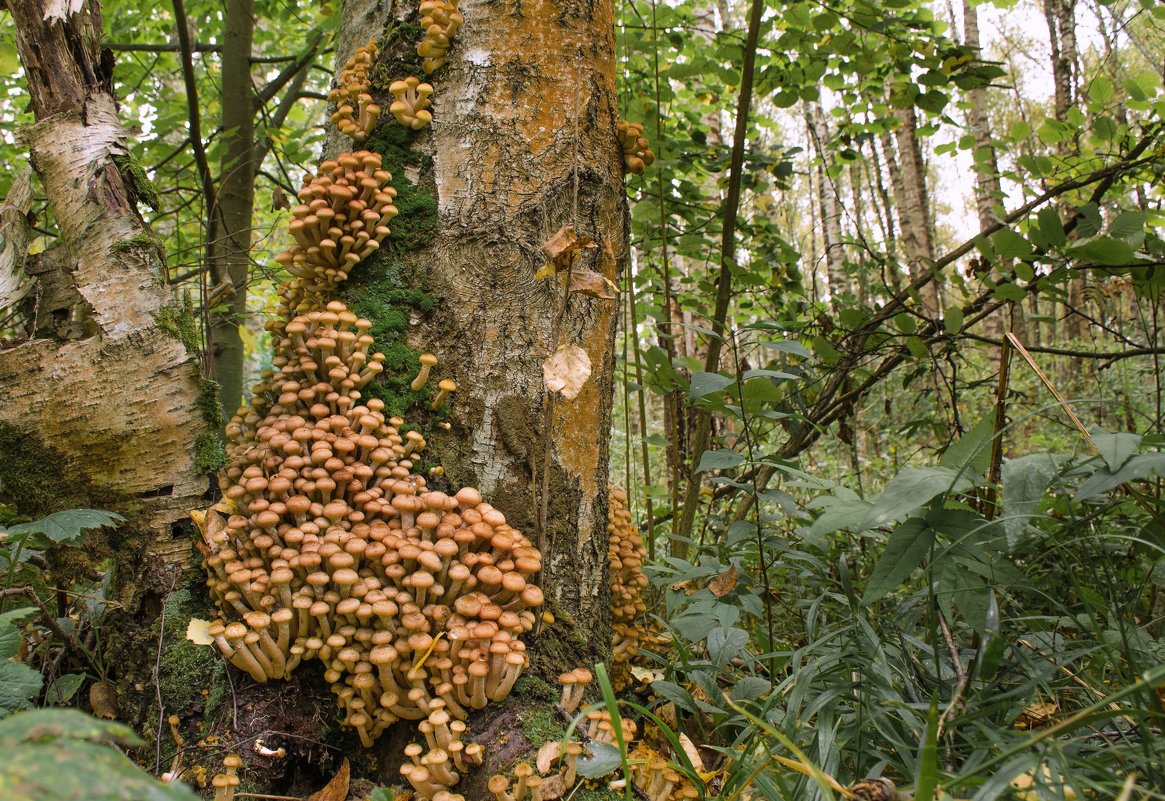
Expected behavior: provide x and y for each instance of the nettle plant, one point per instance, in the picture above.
(35, 639)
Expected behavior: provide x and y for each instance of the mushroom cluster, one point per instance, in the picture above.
(440, 20)
(657, 777)
(637, 154)
(625, 557)
(336, 550)
(342, 218)
(356, 115)
(411, 102)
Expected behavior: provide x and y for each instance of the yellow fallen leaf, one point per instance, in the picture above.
(337, 788)
(198, 632)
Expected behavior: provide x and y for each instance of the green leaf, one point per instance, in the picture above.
(973, 449)
(64, 687)
(905, 550)
(953, 320)
(723, 459)
(600, 759)
(707, 383)
(926, 776)
(9, 60)
(777, 374)
(750, 688)
(1101, 90)
(909, 490)
(65, 755)
(1010, 245)
(1025, 480)
(1103, 250)
(1136, 468)
(1089, 221)
(1127, 225)
(1052, 227)
(1115, 448)
(788, 346)
(917, 348)
(1012, 292)
(68, 526)
(9, 633)
(670, 691)
(19, 686)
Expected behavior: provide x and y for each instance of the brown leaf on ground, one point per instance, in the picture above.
(547, 755)
(337, 788)
(553, 787)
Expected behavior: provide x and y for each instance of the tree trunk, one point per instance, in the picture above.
(914, 206)
(522, 143)
(830, 208)
(229, 237)
(1060, 16)
(120, 405)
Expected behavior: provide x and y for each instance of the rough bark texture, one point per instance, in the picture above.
(830, 208)
(522, 143)
(913, 206)
(120, 404)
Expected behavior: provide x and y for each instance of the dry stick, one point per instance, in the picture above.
(158, 679)
(682, 533)
(1027, 357)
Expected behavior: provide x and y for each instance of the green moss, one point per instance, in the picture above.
(532, 688)
(208, 405)
(541, 726)
(178, 320)
(398, 47)
(209, 453)
(36, 479)
(140, 241)
(138, 183)
(187, 669)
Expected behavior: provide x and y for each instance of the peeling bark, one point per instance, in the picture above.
(120, 404)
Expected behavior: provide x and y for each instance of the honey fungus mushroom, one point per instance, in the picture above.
(440, 20)
(413, 600)
(637, 154)
(411, 103)
(356, 114)
(625, 556)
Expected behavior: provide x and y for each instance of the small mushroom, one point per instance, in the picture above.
(445, 387)
(428, 362)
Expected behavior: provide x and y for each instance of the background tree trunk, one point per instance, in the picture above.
(229, 229)
(912, 200)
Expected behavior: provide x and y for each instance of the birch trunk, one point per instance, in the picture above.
(118, 406)
(914, 207)
(830, 209)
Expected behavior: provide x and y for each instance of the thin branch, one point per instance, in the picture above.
(727, 260)
(296, 67)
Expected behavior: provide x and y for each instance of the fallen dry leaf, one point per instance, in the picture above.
(553, 787)
(198, 632)
(693, 753)
(547, 755)
(724, 583)
(644, 675)
(337, 788)
(566, 370)
(103, 700)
